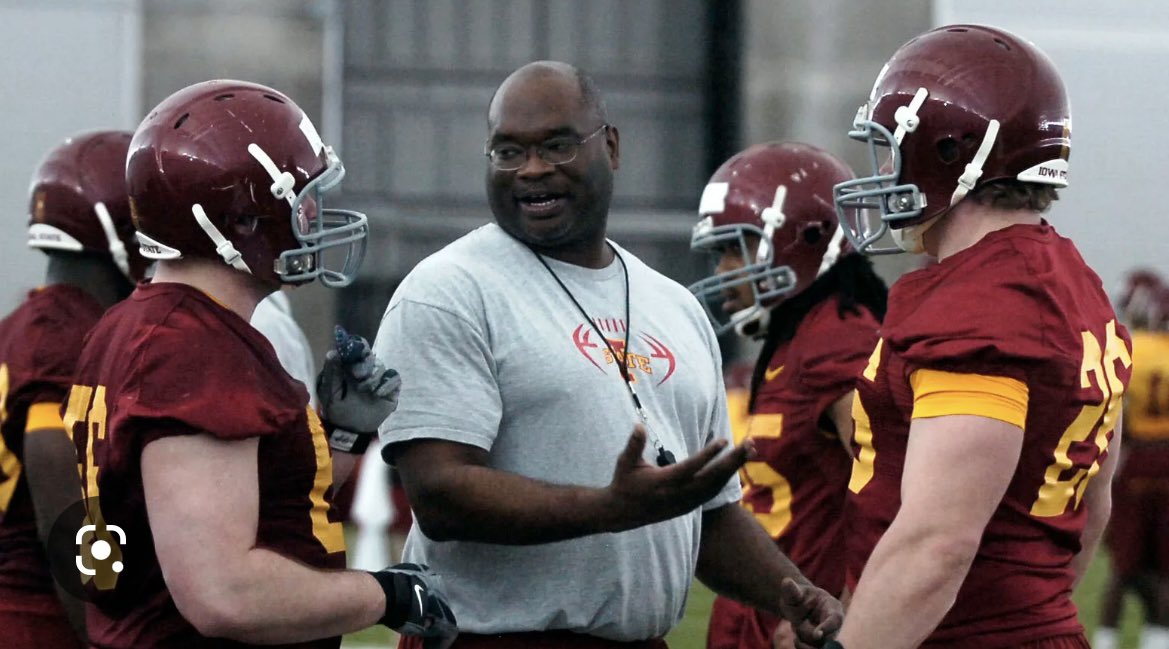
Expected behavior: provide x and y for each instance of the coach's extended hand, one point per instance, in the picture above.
(641, 493)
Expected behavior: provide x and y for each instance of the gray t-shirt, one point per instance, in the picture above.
(494, 354)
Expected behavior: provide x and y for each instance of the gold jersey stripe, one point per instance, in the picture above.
(44, 416)
(938, 394)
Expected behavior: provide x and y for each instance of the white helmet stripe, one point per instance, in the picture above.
(310, 134)
(832, 253)
(714, 198)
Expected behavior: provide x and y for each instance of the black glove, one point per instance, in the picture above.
(415, 604)
(357, 392)
(832, 644)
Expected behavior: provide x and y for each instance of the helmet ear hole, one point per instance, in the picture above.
(244, 224)
(813, 234)
(948, 150)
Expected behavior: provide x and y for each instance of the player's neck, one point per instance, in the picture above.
(97, 277)
(231, 288)
(968, 223)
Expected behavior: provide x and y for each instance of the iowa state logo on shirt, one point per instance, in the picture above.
(647, 357)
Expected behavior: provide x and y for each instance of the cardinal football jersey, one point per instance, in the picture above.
(171, 361)
(39, 345)
(1021, 304)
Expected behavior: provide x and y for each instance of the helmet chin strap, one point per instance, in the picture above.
(117, 248)
(751, 322)
(911, 238)
(223, 247)
(973, 172)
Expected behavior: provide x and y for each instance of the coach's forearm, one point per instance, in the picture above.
(911, 581)
(739, 560)
(478, 503)
(269, 599)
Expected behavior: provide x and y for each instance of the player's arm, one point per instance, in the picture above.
(957, 468)
(457, 495)
(737, 558)
(202, 497)
(50, 464)
(1098, 500)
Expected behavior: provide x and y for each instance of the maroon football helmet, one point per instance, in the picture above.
(782, 194)
(1139, 301)
(955, 108)
(77, 201)
(236, 171)
(1159, 313)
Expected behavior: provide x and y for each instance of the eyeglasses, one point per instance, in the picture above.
(555, 151)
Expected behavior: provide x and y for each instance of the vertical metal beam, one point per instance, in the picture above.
(724, 49)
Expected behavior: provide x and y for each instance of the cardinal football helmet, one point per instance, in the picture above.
(236, 171)
(955, 108)
(77, 201)
(1159, 313)
(1139, 300)
(782, 194)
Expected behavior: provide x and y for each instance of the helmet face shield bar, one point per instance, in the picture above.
(766, 283)
(869, 206)
(320, 229)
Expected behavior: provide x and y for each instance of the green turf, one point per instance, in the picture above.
(691, 632)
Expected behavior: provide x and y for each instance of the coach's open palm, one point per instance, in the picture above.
(642, 494)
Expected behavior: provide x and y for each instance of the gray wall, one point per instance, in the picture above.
(419, 75)
(810, 63)
(1114, 60)
(401, 88)
(65, 67)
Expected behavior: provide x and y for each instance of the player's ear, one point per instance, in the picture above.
(613, 146)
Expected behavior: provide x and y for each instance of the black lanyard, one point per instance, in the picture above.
(664, 457)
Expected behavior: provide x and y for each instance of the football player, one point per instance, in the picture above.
(987, 417)
(1138, 533)
(79, 216)
(208, 476)
(784, 278)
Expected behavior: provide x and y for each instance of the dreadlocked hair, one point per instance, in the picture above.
(855, 284)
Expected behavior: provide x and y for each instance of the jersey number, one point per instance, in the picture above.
(760, 475)
(87, 405)
(1063, 486)
(10, 466)
(862, 464)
